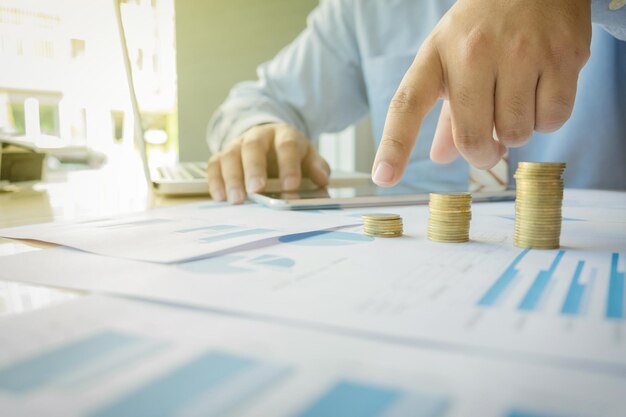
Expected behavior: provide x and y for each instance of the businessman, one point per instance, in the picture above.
(438, 78)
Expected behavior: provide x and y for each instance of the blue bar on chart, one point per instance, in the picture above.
(74, 363)
(537, 289)
(615, 298)
(497, 290)
(356, 399)
(575, 294)
(208, 385)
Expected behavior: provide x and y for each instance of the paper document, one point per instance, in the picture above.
(107, 357)
(487, 296)
(177, 233)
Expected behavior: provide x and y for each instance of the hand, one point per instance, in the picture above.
(265, 150)
(511, 64)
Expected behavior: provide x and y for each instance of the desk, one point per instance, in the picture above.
(375, 325)
(68, 195)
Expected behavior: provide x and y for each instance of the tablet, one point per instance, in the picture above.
(359, 196)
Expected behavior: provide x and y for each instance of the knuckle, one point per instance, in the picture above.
(475, 46)
(214, 160)
(395, 144)
(555, 112)
(520, 47)
(469, 142)
(514, 135)
(286, 146)
(215, 184)
(404, 101)
(551, 122)
(582, 54)
(232, 152)
(555, 54)
(233, 178)
(515, 107)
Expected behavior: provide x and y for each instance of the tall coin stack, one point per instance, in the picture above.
(382, 225)
(538, 202)
(450, 216)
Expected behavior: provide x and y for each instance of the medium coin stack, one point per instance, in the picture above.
(450, 216)
(382, 225)
(538, 202)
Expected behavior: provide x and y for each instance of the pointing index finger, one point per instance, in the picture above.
(417, 94)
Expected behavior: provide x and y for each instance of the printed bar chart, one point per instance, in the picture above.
(615, 299)
(537, 290)
(76, 362)
(349, 398)
(576, 293)
(497, 290)
(208, 385)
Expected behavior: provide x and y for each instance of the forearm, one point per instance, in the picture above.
(315, 84)
(247, 105)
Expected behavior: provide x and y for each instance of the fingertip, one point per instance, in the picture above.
(384, 174)
(218, 195)
(255, 184)
(236, 195)
(291, 183)
(320, 177)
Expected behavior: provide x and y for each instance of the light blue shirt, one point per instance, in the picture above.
(350, 59)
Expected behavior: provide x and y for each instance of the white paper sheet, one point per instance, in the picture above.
(103, 357)
(177, 233)
(489, 296)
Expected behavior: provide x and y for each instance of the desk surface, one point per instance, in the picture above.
(433, 325)
(68, 195)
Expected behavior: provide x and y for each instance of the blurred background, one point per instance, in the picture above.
(62, 74)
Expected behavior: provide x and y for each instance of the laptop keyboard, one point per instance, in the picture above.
(184, 171)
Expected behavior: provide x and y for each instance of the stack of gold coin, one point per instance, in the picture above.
(450, 216)
(538, 202)
(382, 225)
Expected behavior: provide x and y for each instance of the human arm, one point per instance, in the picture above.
(512, 65)
(313, 86)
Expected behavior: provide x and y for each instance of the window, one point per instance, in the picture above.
(49, 119)
(117, 119)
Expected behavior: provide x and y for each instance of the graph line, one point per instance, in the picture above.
(615, 299)
(575, 295)
(495, 292)
(535, 292)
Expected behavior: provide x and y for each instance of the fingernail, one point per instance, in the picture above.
(255, 184)
(236, 196)
(384, 173)
(290, 183)
(322, 172)
(218, 195)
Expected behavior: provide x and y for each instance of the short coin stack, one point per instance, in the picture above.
(382, 225)
(538, 202)
(450, 216)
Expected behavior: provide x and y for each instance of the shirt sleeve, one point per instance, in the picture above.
(611, 14)
(315, 84)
